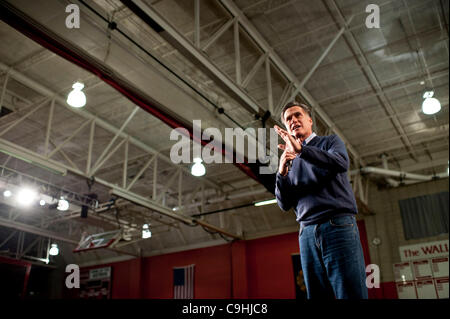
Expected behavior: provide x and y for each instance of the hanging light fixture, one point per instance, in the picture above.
(63, 204)
(26, 196)
(76, 97)
(146, 233)
(430, 105)
(54, 250)
(198, 169)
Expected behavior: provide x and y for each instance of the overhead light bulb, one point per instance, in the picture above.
(42, 202)
(76, 97)
(54, 250)
(430, 105)
(198, 169)
(7, 193)
(63, 204)
(26, 196)
(146, 233)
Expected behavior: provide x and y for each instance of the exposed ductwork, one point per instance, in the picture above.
(405, 178)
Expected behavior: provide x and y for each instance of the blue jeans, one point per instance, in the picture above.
(332, 260)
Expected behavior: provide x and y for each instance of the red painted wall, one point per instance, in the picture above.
(212, 272)
(269, 266)
(126, 280)
(259, 268)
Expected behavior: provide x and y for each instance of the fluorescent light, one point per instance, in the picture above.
(7, 193)
(266, 202)
(76, 97)
(54, 250)
(198, 169)
(26, 196)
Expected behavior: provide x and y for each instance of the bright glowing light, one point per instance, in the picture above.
(42, 202)
(63, 205)
(26, 196)
(198, 169)
(76, 97)
(266, 202)
(7, 193)
(146, 233)
(54, 250)
(431, 106)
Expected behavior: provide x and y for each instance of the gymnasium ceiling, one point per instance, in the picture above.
(367, 88)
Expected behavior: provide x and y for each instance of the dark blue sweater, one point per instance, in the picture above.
(317, 185)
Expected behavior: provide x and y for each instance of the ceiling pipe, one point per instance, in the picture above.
(391, 181)
(415, 178)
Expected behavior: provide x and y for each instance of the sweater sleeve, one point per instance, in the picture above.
(314, 166)
(334, 159)
(283, 192)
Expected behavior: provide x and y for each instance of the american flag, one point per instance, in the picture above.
(183, 282)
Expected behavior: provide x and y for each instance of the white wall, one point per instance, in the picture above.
(387, 223)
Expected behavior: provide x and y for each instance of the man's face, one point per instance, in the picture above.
(298, 122)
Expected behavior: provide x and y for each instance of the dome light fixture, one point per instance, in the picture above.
(26, 196)
(198, 169)
(76, 97)
(430, 105)
(54, 250)
(63, 204)
(146, 233)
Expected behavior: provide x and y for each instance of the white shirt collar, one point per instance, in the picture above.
(309, 138)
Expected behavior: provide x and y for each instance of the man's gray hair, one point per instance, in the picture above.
(292, 104)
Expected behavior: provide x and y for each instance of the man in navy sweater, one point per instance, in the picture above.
(312, 178)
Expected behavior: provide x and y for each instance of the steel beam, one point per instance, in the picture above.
(86, 114)
(18, 151)
(218, 34)
(5, 84)
(197, 23)
(140, 172)
(175, 38)
(319, 60)
(284, 69)
(57, 148)
(18, 121)
(269, 85)
(49, 126)
(118, 133)
(237, 52)
(372, 78)
(253, 71)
